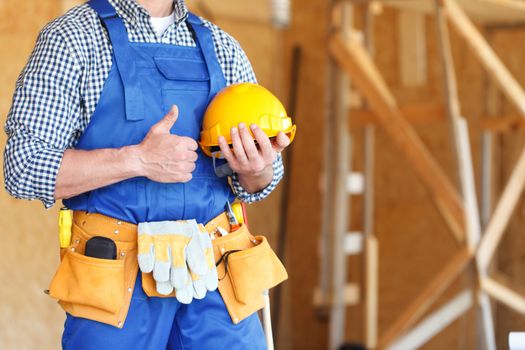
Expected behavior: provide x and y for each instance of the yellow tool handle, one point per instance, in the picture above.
(65, 222)
(238, 212)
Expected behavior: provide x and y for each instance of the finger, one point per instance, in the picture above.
(263, 140)
(165, 124)
(190, 156)
(238, 148)
(248, 143)
(185, 295)
(281, 142)
(146, 255)
(227, 152)
(184, 178)
(187, 167)
(189, 143)
(161, 269)
(164, 288)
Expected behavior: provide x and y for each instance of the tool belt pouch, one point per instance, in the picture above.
(92, 288)
(253, 271)
(249, 267)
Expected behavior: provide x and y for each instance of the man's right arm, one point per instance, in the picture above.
(39, 162)
(43, 117)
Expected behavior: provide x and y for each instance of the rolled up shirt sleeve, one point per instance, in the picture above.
(243, 73)
(40, 124)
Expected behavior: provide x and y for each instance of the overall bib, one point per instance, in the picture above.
(145, 81)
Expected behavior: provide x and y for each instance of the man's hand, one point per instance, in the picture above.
(253, 162)
(165, 157)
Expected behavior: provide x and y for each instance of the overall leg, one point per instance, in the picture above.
(148, 325)
(206, 325)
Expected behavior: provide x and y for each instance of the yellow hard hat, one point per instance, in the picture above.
(243, 103)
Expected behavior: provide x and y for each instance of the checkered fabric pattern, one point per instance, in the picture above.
(59, 88)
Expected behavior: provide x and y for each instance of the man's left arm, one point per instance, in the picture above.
(258, 169)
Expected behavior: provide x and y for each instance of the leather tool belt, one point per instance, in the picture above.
(101, 289)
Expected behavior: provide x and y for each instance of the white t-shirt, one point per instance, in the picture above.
(160, 24)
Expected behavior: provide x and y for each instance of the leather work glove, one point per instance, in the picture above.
(173, 251)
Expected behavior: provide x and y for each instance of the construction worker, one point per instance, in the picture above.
(106, 116)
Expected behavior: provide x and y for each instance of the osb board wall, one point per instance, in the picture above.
(29, 319)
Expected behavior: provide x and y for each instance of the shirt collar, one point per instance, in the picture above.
(133, 12)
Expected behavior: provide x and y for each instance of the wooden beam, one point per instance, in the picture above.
(356, 62)
(414, 113)
(500, 289)
(502, 214)
(435, 323)
(482, 50)
(433, 290)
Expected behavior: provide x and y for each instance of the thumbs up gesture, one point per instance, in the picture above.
(165, 157)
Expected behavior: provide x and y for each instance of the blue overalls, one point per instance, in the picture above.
(145, 81)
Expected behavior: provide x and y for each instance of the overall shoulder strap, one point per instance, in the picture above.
(205, 41)
(122, 53)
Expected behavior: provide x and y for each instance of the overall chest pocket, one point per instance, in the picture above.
(187, 85)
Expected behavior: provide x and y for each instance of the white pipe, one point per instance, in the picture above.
(281, 13)
(267, 321)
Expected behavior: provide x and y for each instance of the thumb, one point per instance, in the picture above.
(281, 142)
(165, 124)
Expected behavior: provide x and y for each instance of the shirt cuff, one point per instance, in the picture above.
(38, 179)
(244, 196)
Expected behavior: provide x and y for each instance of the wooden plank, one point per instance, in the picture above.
(435, 323)
(356, 62)
(482, 50)
(372, 291)
(412, 48)
(433, 290)
(485, 11)
(414, 113)
(502, 214)
(499, 288)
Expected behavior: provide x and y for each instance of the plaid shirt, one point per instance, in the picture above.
(59, 88)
